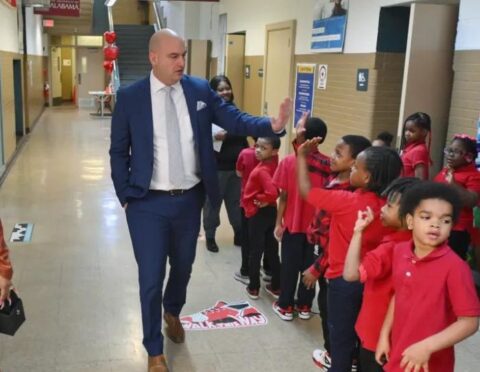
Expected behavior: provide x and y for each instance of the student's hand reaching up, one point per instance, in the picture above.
(363, 220)
(309, 146)
(300, 127)
(415, 358)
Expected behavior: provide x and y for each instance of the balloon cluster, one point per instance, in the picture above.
(110, 51)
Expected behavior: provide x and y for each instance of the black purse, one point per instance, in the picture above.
(12, 315)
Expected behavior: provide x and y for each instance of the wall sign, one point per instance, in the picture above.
(65, 8)
(362, 79)
(304, 89)
(322, 77)
(329, 24)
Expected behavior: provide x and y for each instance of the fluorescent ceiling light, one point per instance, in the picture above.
(110, 2)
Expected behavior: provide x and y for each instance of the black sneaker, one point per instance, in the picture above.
(212, 245)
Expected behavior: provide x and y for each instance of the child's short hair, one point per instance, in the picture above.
(273, 141)
(399, 186)
(430, 190)
(315, 127)
(386, 137)
(384, 165)
(421, 120)
(356, 143)
(469, 143)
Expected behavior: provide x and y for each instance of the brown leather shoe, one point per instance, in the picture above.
(174, 328)
(157, 364)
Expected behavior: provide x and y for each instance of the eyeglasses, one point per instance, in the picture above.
(454, 152)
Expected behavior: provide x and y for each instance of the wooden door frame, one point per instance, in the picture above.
(292, 26)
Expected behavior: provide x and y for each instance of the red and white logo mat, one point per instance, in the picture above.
(224, 315)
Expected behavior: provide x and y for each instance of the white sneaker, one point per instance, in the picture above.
(241, 278)
(321, 358)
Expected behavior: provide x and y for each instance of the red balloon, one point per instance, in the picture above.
(110, 52)
(108, 66)
(110, 36)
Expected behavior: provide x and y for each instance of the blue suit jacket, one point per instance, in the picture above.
(131, 150)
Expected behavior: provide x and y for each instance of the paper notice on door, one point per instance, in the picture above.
(217, 145)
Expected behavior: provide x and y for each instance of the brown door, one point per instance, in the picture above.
(278, 67)
(234, 64)
(427, 80)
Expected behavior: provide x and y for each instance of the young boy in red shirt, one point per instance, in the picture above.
(378, 289)
(259, 203)
(435, 304)
(342, 160)
(294, 217)
(245, 163)
(375, 168)
(461, 173)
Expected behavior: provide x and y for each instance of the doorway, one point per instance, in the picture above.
(18, 98)
(234, 64)
(90, 75)
(278, 71)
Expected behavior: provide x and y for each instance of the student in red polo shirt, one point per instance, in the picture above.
(375, 168)
(461, 173)
(246, 162)
(260, 204)
(378, 289)
(343, 158)
(435, 304)
(294, 216)
(416, 153)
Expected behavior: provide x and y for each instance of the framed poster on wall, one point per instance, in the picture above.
(329, 25)
(304, 90)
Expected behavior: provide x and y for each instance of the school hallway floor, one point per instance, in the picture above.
(78, 276)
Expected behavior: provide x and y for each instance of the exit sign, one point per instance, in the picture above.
(48, 23)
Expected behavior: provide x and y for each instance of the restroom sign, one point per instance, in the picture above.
(322, 77)
(362, 79)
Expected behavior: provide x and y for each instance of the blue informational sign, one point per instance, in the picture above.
(304, 89)
(328, 34)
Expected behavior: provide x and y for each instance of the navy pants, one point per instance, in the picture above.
(163, 226)
(262, 242)
(343, 303)
(297, 256)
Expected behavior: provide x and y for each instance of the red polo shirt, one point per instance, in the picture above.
(376, 273)
(412, 155)
(246, 161)
(298, 213)
(430, 294)
(343, 207)
(260, 187)
(469, 178)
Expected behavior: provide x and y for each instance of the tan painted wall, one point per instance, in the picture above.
(465, 104)
(348, 111)
(252, 94)
(130, 12)
(34, 89)
(8, 103)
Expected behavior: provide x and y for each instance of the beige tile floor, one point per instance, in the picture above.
(78, 277)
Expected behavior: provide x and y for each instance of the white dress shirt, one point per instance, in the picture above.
(160, 176)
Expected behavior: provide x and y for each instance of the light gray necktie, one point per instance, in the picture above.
(175, 160)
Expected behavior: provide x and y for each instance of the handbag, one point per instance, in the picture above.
(12, 315)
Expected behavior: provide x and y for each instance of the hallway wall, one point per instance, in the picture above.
(465, 104)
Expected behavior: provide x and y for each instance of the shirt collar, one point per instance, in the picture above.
(397, 236)
(409, 146)
(438, 252)
(156, 85)
(465, 168)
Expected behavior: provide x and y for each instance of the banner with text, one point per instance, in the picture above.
(65, 8)
(304, 89)
(329, 24)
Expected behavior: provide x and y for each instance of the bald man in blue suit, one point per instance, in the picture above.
(163, 214)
